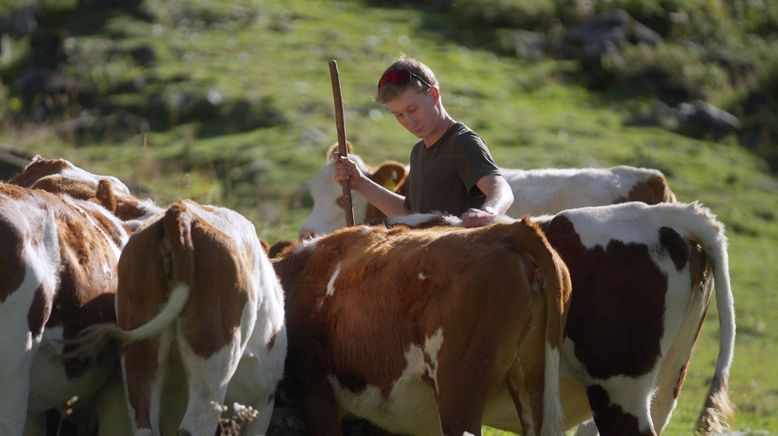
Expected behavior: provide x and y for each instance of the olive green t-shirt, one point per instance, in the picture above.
(443, 177)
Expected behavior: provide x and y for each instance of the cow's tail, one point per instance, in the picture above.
(178, 238)
(709, 232)
(557, 288)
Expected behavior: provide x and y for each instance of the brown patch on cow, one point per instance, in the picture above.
(391, 175)
(57, 184)
(681, 378)
(334, 149)
(618, 275)
(39, 311)
(271, 341)
(88, 278)
(278, 248)
(12, 267)
(653, 190)
(130, 208)
(37, 169)
(610, 418)
(219, 282)
(675, 245)
(698, 265)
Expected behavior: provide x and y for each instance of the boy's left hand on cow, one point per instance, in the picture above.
(477, 218)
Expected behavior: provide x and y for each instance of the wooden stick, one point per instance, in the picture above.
(342, 148)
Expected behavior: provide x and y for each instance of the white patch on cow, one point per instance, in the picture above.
(209, 376)
(553, 416)
(331, 283)
(19, 347)
(597, 226)
(422, 276)
(545, 191)
(326, 215)
(418, 219)
(411, 401)
(621, 391)
(307, 244)
(75, 173)
(587, 428)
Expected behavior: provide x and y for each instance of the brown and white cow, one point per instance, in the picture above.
(536, 192)
(200, 313)
(419, 330)
(58, 258)
(642, 281)
(63, 177)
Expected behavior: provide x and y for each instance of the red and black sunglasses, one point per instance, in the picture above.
(400, 77)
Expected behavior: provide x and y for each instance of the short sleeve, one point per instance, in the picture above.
(476, 161)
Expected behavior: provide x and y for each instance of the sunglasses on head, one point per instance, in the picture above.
(400, 77)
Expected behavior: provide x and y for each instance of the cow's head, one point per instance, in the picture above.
(328, 213)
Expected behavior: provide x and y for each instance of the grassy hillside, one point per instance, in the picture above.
(263, 118)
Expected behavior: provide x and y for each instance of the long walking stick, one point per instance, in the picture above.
(342, 149)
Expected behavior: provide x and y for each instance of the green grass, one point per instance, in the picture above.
(527, 112)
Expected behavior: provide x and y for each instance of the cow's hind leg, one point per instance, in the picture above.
(463, 384)
(622, 408)
(208, 378)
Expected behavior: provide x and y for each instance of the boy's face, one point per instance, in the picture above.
(417, 112)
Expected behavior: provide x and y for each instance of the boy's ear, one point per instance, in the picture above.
(435, 93)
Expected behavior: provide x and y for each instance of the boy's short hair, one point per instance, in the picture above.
(421, 78)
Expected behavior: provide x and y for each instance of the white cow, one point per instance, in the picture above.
(536, 192)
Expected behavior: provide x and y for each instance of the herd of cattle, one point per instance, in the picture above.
(587, 307)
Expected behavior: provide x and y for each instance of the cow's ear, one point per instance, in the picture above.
(105, 195)
(389, 175)
(334, 147)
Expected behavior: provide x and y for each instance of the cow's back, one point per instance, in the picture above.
(547, 191)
